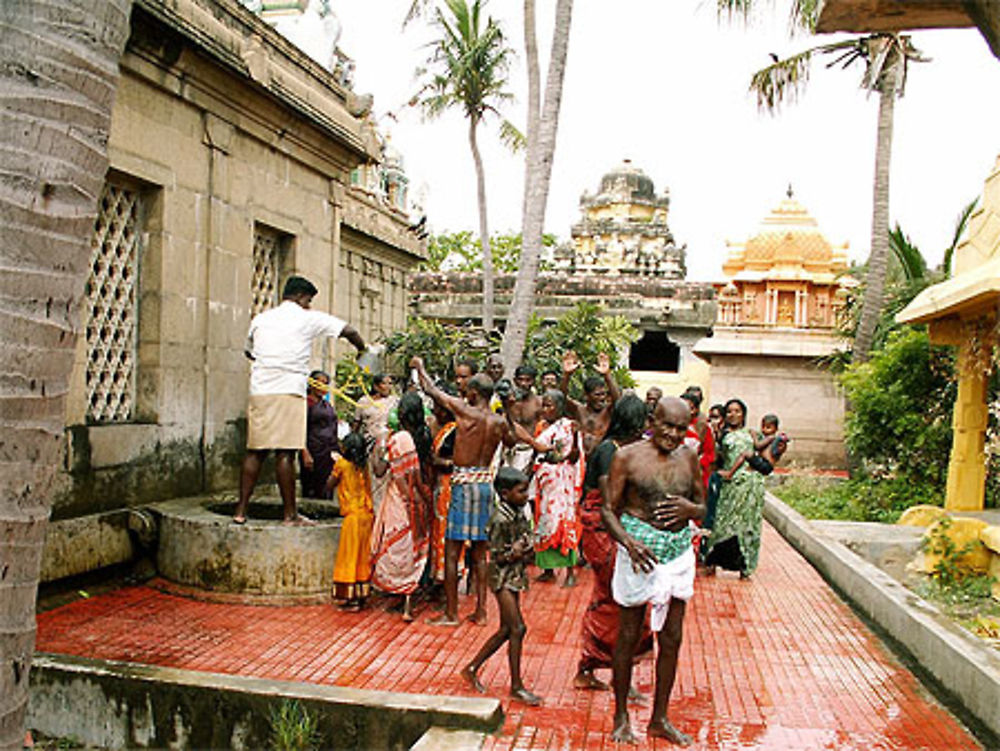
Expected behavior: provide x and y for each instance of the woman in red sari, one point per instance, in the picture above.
(600, 621)
(401, 535)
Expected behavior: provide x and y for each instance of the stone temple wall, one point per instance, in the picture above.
(230, 156)
(649, 302)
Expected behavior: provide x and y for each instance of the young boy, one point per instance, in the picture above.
(511, 548)
(769, 448)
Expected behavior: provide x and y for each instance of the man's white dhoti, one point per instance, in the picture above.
(674, 579)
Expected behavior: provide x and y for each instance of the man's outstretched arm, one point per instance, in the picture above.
(352, 335)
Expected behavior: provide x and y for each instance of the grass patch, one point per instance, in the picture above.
(861, 500)
(968, 603)
(293, 727)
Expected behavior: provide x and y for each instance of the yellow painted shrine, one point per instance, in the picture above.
(786, 275)
(962, 311)
(777, 309)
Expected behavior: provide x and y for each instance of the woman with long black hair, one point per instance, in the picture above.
(400, 538)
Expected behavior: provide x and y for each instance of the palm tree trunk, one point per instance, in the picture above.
(58, 74)
(534, 95)
(871, 305)
(538, 174)
(484, 233)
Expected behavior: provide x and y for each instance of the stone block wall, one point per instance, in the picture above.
(216, 157)
(802, 395)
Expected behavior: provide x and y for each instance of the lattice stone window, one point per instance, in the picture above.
(110, 305)
(269, 250)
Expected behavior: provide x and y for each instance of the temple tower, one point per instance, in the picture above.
(778, 307)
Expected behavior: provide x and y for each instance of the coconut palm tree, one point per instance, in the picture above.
(886, 57)
(468, 69)
(58, 74)
(543, 122)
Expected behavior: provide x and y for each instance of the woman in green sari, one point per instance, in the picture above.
(735, 540)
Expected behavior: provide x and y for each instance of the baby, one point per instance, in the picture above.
(769, 447)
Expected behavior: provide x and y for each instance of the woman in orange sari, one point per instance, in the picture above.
(400, 538)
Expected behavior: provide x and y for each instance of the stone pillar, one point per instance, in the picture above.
(967, 467)
(336, 199)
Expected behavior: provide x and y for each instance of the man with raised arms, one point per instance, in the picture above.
(654, 491)
(600, 394)
(478, 432)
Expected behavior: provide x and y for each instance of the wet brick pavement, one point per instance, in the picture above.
(776, 662)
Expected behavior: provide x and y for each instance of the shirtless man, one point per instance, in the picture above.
(550, 380)
(464, 370)
(594, 415)
(527, 405)
(654, 490)
(478, 432)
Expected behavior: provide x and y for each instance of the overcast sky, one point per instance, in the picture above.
(665, 85)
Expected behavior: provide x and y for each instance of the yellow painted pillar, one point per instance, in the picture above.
(967, 467)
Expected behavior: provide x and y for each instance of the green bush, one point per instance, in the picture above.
(588, 331)
(899, 421)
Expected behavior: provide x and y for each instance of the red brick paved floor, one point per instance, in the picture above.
(778, 662)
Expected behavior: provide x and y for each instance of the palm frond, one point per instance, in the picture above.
(732, 8)
(804, 15)
(911, 260)
(781, 80)
(417, 9)
(960, 225)
(512, 137)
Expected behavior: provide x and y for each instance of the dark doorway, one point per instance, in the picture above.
(655, 351)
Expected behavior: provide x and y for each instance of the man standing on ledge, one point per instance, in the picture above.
(279, 345)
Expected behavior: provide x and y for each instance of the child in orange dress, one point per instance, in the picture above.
(352, 570)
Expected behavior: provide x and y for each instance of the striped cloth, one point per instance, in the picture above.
(469, 511)
(664, 544)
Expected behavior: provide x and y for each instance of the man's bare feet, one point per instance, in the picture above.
(622, 732)
(570, 580)
(299, 521)
(663, 729)
(239, 520)
(442, 620)
(478, 617)
(472, 679)
(586, 679)
(524, 695)
(548, 575)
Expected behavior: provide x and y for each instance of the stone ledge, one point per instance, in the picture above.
(442, 739)
(115, 705)
(963, 665)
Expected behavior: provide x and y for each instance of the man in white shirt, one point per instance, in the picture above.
(279, 344)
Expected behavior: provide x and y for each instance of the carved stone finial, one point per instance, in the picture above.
(790, 193)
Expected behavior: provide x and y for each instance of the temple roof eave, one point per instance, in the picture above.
(961, 294)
